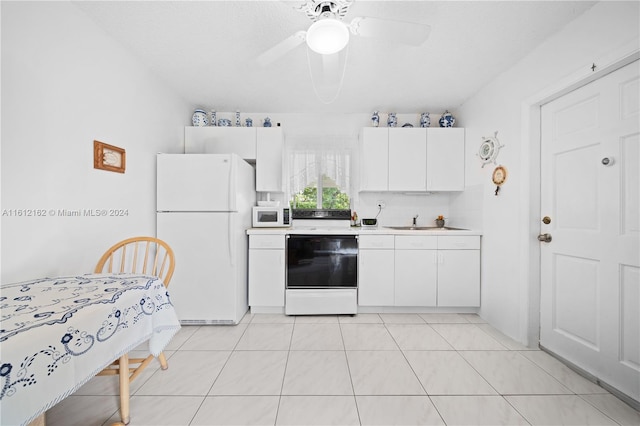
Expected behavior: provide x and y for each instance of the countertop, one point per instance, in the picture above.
(380, 230)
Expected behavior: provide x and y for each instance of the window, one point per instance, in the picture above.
(324, 196)
(319, 179)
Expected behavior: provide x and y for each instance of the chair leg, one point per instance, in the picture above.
(124, 388)
(39, 421)
(163, 361)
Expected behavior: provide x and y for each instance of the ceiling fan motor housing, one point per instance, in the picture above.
(316, 9)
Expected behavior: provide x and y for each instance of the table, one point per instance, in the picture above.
(57, 333)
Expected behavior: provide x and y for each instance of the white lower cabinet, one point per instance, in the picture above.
(266, 270)
(375, 270)
(400, 270)
(459, 271)
(416, 270)
(419, 271)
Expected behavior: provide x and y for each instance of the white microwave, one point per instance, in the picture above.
(271, 217)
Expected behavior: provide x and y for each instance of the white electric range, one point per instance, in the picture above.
(322, 267)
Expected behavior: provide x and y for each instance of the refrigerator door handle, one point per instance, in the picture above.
(231, 199)
(230, 239)
(232, 190)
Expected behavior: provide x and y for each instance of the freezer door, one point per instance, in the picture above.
(195, 182)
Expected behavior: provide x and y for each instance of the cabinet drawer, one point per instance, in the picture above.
(459, 243)
(416, 242)
(266, 241)
(375, 241)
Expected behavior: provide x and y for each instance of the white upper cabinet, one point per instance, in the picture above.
(445, 159)
(412, 159)
(263, 146)
(407, 159)
(269, 159)
(374, 159)
(221, 140)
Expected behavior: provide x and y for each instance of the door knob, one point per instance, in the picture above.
(545, 238)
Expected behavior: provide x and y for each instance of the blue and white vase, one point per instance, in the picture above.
(248, 122)
(392, 120)
(447, 120)
(375, 119)
(199, 118)
(238, 122)
(267, 122)
(213, 121)
(224, 122)
(425, 120)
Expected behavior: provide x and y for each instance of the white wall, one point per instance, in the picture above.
(64, 84)
(506, 283)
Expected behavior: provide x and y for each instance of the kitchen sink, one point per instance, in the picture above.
(425, 228)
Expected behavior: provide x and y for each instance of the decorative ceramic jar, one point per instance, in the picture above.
(224, 122)
(213, 121)
(267, 122)
(425, 120)
(392, 120)
(375, 119)
(447, 120)
(199, 118)
(238, 123)
(248, 122)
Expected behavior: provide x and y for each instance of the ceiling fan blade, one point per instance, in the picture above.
(281, 49)
(403, 32)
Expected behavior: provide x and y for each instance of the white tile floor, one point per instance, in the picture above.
(386, 369)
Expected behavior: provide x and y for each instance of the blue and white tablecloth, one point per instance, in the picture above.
(57, 333)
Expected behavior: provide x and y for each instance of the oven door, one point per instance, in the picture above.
(322, 261)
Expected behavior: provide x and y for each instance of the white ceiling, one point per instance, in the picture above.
(207, 50)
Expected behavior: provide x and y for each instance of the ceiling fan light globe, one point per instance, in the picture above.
(327, 36)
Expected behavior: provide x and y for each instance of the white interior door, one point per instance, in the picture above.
(590, 270)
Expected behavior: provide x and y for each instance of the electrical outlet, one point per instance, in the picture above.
(381, 204)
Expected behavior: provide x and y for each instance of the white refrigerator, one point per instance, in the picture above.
(204, 204)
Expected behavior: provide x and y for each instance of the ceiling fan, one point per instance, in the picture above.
(328, 34)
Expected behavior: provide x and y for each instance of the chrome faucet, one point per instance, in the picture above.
(415, 218)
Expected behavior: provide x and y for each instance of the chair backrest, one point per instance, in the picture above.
(139, 255)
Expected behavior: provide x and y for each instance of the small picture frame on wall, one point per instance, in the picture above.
(108, 157)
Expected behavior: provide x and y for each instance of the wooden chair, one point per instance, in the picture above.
(137, 255)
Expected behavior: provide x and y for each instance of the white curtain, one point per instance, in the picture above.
(308, 162)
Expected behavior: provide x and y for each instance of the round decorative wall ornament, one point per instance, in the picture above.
(489, 149)
(499, 175)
